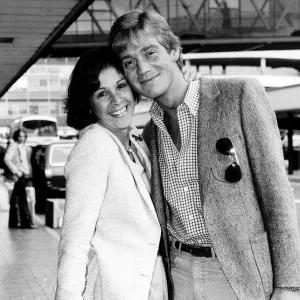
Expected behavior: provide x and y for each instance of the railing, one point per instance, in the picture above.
(210, 23)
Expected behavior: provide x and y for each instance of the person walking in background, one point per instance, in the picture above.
(225, 11)
(18, 170)
(219, 184)
(108, 207)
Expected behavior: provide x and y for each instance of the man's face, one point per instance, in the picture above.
(148, 66)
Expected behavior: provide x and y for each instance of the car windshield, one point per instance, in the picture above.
(40, 128)
(59, 154)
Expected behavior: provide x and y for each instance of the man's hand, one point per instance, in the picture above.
(191, 75)
(281, 294)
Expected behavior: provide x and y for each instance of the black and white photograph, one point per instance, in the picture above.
(150, 149)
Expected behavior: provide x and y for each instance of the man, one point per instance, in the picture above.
(218, 180)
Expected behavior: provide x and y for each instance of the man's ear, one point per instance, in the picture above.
(175, 53)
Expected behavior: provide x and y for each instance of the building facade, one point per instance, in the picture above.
(40, 91)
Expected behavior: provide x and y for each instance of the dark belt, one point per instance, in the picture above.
(195, 251)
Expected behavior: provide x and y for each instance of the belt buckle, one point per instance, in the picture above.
(201, 252)
(191, 251)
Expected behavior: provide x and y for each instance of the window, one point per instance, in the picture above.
(54, 108)
(32, 82)
(3, 110)
(54, 82)
(13, 110)
(23, 109)
(34, 110)
(43, 82)
(63, 82)
(40, 127)
(59, 155)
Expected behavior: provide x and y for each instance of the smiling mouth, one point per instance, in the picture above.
(119, 113)
(148, 79)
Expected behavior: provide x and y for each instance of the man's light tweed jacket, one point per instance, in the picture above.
(109, 208)
(252, 223)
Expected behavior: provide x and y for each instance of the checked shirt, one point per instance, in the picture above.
(179, 171)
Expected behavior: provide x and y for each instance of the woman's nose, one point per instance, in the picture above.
(116, 99)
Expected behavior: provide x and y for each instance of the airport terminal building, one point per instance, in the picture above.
(40, 91)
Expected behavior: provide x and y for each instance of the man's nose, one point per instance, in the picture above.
(143, 66)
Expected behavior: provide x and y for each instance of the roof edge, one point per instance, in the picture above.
(79, 8)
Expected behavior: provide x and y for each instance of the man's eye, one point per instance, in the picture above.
(128, 64)
(150, 53)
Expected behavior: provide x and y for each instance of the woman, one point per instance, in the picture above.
(18, 170)
(108, 208)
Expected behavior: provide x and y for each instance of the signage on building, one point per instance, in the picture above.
(44, 69)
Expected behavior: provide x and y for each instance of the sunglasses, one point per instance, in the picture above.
(233, 172)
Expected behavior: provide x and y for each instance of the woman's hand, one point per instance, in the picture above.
(191, 75)
(19, 173)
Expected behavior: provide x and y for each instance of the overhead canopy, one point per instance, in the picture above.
(274, 59)
(27, 28)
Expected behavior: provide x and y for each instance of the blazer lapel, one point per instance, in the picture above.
(161, 206)
(137, 177)
(206, 118)
(19, 151)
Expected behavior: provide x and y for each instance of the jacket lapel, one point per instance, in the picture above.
(206, 118)
(137, 177)
(161, 206)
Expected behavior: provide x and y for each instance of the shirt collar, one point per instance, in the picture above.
(156, 110)
(191, 100)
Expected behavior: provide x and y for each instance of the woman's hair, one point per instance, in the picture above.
(17, 134)
(126, 29)
(84, 81)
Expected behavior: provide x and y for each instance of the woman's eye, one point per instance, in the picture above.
(102, 94)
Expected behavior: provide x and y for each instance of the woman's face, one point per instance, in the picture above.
(21, 138)
(113, 103)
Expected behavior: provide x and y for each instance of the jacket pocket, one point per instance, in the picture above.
(220, 162)
(261, 253)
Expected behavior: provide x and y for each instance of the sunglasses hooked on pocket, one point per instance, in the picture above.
(233, 172)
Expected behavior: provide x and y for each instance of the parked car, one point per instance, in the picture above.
(4, 131)
(41, 130)
(67, 132)
(3, 147)
(48, 162)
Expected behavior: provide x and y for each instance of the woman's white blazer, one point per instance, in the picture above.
(108, 209)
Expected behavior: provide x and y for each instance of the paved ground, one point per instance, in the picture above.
(28, 258)
(28, 261)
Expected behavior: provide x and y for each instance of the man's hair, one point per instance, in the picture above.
(84, 81)
(126, 29)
